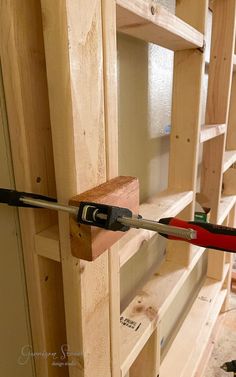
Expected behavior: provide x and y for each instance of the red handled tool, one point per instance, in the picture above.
(122, 219)
(210, 236)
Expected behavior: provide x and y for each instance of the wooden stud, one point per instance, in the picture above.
(229, 260)
(111, 127)
(74, 60)
(148, 357)
(220, 69)
(217, 110)
(220, 77)
(23, 67)
(231, 134)
(188, 68)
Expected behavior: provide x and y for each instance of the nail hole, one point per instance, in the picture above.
(38, 179)
(177, 136)
(139, 302)
(80, 235)
(188, 140)
(46, 278)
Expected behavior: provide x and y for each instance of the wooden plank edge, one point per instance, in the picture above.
(132, 241)
(157, 16)
(234, 63)
(150, 326)
(229, 159)
(202, 341)
(200, 372)
(47, 243)
(226, 204)
(173, 353)
(211, 131)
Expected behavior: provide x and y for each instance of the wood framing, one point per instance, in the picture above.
(186, 111)
(153, 23)
(219, 87)
(59, 63)
(25, 84)
(78, 129)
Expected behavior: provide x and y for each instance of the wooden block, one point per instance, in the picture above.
(88, 242)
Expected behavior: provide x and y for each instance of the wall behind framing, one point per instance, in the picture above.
(145, 74)
(145, 77)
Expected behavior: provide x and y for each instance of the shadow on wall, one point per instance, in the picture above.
(145, 73)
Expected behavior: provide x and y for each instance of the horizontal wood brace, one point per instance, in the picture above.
(187, 347)
(153, 23)
(166, 204)
(210, 131)
(229, 159)
(148, 308)
(234, 63)
(225, 206)
(47, 243)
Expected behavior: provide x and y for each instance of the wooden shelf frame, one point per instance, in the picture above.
(229, 159)
(90, 324)
(196, 329)
(209, 132)
(153, 23)
(153, 301)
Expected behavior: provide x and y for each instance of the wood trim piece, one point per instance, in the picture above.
(153, 23)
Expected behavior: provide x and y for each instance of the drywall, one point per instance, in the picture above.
(14, 323)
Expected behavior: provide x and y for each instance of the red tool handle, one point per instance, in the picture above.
(210, 236)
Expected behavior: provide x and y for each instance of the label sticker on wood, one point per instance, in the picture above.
(129, 323)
